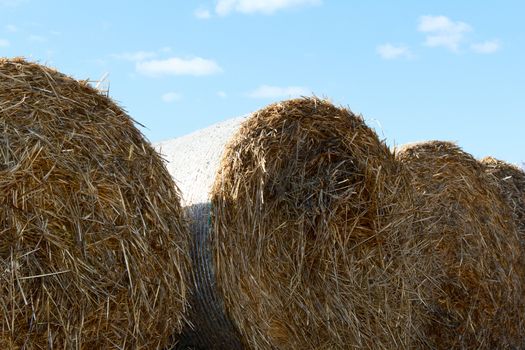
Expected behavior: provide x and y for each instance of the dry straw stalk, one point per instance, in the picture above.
(309, 224)
(471, 296)
(92, 241)
(511, 182)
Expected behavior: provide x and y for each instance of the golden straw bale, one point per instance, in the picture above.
(511, 181)
(472, 295)
(93, 243)
(309, 224)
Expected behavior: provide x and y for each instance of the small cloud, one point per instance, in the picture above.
(134, 56)
(441, 31)
(11, 3)
(171, 96)
(97, 61)
(50, 53)
(486, 47)
(222, 94)
(37, 38)
(178, 66)
(201, 13)
(267, 91)
(4, 43)
(104, 25)
(165, 49)
(390, 52)
(225, 7)
(11, 28)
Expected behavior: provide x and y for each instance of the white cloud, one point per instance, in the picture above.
(134, 56)
(178, 66)
(225, 7)
(441, 31)
(390, 52)
(171, 96)
(266, 91)
(4, 43)
(11, 28)
(222, 94)
(486, 47)
(201, 13)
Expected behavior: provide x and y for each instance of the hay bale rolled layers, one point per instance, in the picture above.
(472, 295)
(307, 226)
(92, 247)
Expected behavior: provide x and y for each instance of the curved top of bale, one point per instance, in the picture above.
(92, 249)
(193, 160)
(511, 180)
(472, 296)
(309, 219)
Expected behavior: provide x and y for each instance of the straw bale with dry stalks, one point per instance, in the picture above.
(472, 293)
(92, 242)
(309, 221)
(511, 181)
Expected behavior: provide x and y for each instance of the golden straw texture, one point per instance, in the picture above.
(93, 242)
(471, 296)
(511, 181)
(309, 224)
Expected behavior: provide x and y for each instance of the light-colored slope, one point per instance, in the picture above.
(193, 159)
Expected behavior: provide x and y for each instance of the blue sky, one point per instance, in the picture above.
(416, 70)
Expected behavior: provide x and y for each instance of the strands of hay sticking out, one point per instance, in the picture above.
(308, 225)
(472, 295)
(93, 246)
(511, 181)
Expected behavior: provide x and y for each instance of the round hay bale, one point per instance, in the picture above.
(471, 297)
(193, 161)
(93, 244)
(307, 230)
(511, 181)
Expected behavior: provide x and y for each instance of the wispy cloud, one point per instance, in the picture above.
(222, 94)
(11, 3)
(11, 28)
(134, 56)
(442, 31)
(225, 7)
(486, 47)
(37, 38)
(104, 25)
(202, 13)
(178, 66)
(4, 43)
(267, 91)
(171, 96)
(390, 51)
